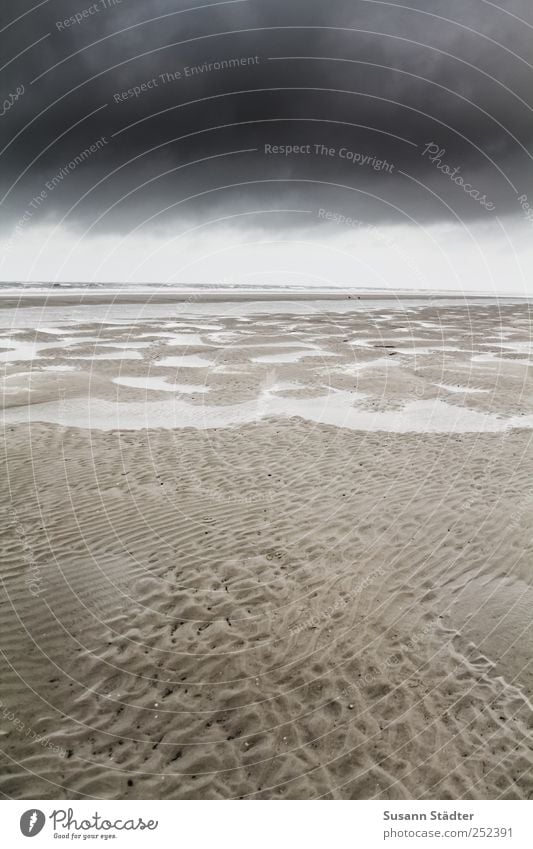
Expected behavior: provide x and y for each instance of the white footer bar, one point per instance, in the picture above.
(264, 825)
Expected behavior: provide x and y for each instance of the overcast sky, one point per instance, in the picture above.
(348, 142)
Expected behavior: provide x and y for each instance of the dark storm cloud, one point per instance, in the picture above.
(375, 81)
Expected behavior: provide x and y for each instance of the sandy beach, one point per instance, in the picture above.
(264, 549)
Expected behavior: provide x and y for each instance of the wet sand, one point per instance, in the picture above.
(268, 554)
(50, 296)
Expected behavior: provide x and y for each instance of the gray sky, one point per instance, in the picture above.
(232, 140)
